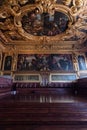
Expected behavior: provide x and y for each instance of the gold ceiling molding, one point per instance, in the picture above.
(42, 6)
(12, 31)
(44, 47)
(27, 8)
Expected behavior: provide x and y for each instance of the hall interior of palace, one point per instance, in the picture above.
(43, 59)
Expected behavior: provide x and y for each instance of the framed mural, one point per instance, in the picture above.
(42, 62)
(61, 62)
(8, 63)
(62, 77)
(27, 78)
(81, 62)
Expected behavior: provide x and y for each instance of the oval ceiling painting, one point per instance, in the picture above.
(44, 24)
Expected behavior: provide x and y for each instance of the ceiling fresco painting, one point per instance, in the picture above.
(44, 22)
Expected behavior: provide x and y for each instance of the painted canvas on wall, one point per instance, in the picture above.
(8, 63)
(32, 62)
(42, 62)
(61, 62)
(81, 62)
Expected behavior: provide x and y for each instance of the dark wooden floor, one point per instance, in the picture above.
(34, 111)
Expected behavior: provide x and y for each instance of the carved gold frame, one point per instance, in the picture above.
(61, 8)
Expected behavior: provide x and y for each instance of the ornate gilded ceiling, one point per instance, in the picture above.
(43, 24)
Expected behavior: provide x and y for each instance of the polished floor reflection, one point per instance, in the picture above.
(43, 98)
(59, 97)
(59, 110)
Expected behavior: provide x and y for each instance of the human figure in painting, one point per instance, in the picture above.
(81, 61)
(60, 63)
(14, 61)
(64, 63)
(75, 62)
(8, 62)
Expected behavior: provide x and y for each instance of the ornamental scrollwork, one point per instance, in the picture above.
(25, 20)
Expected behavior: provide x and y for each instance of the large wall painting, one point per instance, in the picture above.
(42, 62)
(81, 62)
(61, 62)
(8, 63)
